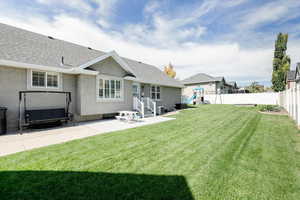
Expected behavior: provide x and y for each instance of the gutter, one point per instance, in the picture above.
(9, 63)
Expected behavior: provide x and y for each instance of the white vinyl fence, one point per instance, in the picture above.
(290, 100)
(244, 98)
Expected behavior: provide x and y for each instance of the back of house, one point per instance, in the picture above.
(100, 83)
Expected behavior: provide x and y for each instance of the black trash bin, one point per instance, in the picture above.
(3, 122)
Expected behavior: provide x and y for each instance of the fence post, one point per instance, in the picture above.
(298, 103)
(288, 101)
(295, 103)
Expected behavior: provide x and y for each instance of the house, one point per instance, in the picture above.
(233, 88)
(100, 83)
(290, 79)
(208, 85)
(196, 86)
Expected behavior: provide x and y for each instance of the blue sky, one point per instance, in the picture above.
(231, 38)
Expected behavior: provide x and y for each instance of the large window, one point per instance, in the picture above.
(109, 89)
(155, 92)
(41, 79)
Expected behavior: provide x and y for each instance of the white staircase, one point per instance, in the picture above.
(145, 106)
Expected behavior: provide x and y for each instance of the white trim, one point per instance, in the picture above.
(106, 77)
(112, 54)
(46, 87)
(8, 63)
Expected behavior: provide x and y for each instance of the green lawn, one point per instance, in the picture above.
(211, 152)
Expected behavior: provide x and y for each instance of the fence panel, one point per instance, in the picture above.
(288, 99)
(245, 98)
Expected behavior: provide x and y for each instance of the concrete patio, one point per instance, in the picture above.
(14, 143)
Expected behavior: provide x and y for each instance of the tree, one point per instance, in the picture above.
(281, 62)
(255, 87)
(169, 70)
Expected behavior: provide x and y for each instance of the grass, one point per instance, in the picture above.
(212, 152)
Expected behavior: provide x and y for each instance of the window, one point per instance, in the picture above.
(52, 80)
(101, 88)
(118, 89)
(44, 79)
(38, 79)
(155, 92)
(109, 89)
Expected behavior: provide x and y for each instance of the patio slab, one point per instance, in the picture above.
(14, 143)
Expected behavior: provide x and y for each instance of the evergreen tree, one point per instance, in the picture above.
(281, 62)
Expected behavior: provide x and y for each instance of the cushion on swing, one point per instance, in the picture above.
(42, 115)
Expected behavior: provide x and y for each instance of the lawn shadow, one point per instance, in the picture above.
(91, 185)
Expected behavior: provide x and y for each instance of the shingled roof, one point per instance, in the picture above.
(201, 78)
(23, 46)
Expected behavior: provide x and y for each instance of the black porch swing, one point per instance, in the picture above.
(43, 116)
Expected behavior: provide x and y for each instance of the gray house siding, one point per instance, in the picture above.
(169, 95)
(87, 89)
(89, 104)
(13, 80)
(85, 105)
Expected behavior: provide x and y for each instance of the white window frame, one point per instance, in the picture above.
(109, 78)
(160, 91)
(46, 87)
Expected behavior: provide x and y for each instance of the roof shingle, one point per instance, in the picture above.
(201, 78)
(27, 47)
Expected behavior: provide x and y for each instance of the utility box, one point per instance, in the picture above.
(3, 121)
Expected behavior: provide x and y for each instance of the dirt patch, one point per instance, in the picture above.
(281, 112)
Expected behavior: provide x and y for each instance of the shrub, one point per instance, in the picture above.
(268, 108)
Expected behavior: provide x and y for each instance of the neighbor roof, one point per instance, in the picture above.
(201, 78)
(291, 75)
(149, 74)
(31, 48)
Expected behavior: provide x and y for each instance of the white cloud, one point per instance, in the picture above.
(152, 6)
(80, 5)
(164, 30)
(278, 11)
(106, 10)
(232, 3)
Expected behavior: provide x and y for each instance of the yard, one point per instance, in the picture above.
(209, 152)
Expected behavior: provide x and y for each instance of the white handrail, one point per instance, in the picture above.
(151, 105)
(139, 106)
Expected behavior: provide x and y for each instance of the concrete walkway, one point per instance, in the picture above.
(14, 143)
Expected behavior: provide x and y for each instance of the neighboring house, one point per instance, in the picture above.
(290, 79)
(196, 86)
(100, 83)
(208, 84)
(233, 88)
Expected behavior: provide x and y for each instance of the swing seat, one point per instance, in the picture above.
(46, 115)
